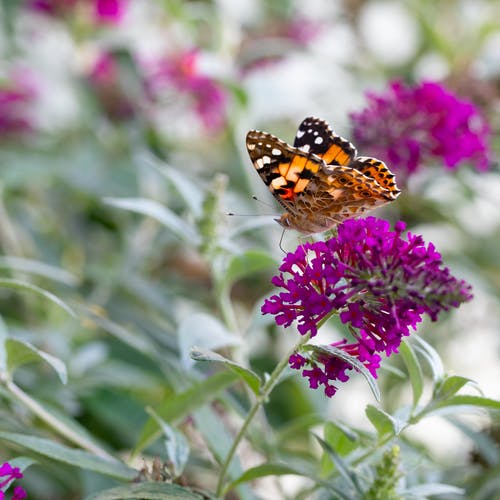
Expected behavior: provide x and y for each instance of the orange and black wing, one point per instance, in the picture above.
(316, 136)
(287, 171)
(378, 170)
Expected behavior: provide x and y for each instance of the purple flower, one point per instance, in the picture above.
(380, 284)
(17, 95)
(409, 126)
(103, 11)
(11, 474)
(106, 79)
(180, 73)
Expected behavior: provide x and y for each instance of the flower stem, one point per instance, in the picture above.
(261, 399)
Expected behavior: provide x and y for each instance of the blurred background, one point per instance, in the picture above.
(122, 148)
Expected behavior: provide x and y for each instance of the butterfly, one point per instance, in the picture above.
(319, 181)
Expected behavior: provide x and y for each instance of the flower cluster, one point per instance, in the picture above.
(380, 284)
(103, 11)
(10, 474)
(17, 95)
(181, 74)
(407, 126)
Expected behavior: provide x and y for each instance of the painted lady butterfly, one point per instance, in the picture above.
(319, 181)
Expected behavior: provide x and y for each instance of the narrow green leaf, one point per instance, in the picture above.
(468, 402)
(77, 458)
(38, 268)
(204, 331)
(431, 489)
(176, 445)
(342, 467)
(22, 462)
(251, 378)
(178, 406)
(21, 285)
(157, 211)
(4, 335)
(351, 360)
(414, 371)
(342, 439)
(20, 352)
(383, 422)
(450, 386)
(269, 469)
(146, 491)
(431, 356)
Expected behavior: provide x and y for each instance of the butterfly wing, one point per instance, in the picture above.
(317, 137)
(287, 171)
(378, 170)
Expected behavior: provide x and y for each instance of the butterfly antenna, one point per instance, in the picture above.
(261, 201)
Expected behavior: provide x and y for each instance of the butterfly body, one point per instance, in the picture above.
(319, 180)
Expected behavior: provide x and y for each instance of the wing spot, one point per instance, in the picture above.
(318, 140)
(276, 152)
(268, 145)
(305, 148)
(259, 163)
(300, 133)
(250, 147)
(309, 130)
(266, 160)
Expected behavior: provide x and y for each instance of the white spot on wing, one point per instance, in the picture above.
(300, 133)
(305, 148)
(259, 163)
(318, 140)
(250, 147)
(276, 152)
(266, 160)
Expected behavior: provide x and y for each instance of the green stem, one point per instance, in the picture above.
(261, 399)
(56, 424)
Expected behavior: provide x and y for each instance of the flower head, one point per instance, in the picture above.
(408, 126)
(17, 95)
(10, 474)
(180, 73)
(380, 284)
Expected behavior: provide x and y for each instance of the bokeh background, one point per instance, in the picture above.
(122, 150)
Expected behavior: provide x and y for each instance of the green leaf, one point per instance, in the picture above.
(205, 332)
(251, 378)
(247, 264)
(20, 352)
(340, 438)
(269, 469)
(77, 458)
(178, 406)
(351, 360)
(157, 211)
(4, 335)
(38, 268)
(414, 371)
(146, 491)
(431, 489)
(383, 422)
(21, 285)
(22, 462)
(188, 191)
(176, 446)
(465, 401)
(450, 386)
(342, 467)
(431, 356)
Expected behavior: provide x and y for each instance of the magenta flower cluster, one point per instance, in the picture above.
(10, 474)
(181, 73)
(410, 126)
(103, 11)
(17, 95)
(379, 282)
